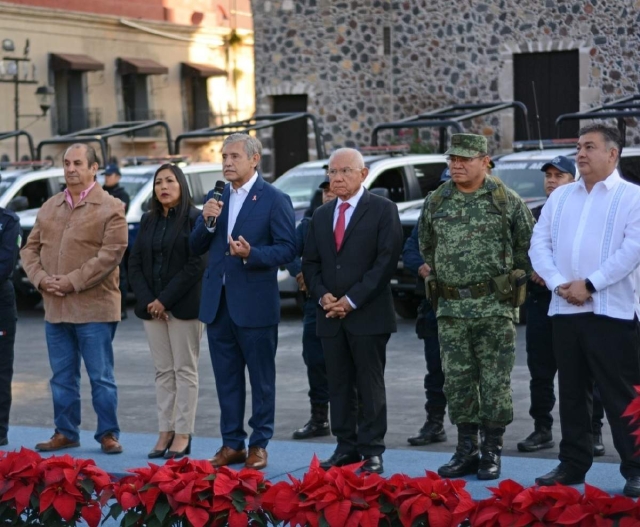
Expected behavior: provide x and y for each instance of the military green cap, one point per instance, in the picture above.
(467, 145)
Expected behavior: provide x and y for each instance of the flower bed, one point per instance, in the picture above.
(62, 491)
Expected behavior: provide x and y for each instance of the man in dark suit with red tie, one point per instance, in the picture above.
(350, 255)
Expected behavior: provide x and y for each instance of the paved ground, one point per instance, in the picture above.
(134, 374)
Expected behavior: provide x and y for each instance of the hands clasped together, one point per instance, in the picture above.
(58, 285)
(335, 308)
(575, 292)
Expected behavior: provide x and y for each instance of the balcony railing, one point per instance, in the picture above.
(76, 118)
(143, 114)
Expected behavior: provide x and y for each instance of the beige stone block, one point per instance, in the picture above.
(347, 65)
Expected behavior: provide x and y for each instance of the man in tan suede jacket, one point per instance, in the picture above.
(72, 257)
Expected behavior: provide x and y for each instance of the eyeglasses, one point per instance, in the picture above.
(464, 160)
(346, 171)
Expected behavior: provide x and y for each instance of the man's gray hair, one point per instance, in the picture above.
(251, 144)
(355, 154)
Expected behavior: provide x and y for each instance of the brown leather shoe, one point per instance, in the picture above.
(228, 456)
(110, 445)
(257, 458)
(57, 442)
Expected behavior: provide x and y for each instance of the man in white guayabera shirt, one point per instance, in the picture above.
(586, 247)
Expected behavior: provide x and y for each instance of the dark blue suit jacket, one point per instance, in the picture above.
(267, 221)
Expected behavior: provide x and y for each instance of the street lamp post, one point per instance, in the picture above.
(11, 66)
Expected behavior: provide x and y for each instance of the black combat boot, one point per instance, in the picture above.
(540, 438)
(318, 425)
(433, 429)
(491, 449)
(466, 457)
(598, 445)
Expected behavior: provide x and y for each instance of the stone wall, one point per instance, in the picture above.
(437, 53)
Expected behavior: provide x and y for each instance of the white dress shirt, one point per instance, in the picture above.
(353, 201)
(594, 235)
(236, 200)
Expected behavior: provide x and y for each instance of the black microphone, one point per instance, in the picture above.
(217, 194)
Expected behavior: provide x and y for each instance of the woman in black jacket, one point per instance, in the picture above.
(166, 278)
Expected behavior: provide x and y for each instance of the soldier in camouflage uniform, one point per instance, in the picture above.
(465, 242)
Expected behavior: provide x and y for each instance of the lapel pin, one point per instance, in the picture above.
(255, 198)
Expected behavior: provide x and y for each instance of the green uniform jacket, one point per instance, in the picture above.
(463, 245)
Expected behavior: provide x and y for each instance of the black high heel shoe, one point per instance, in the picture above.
(154, 454)
(172, 454)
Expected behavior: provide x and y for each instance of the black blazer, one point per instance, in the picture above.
(182, 268)
(361, 270)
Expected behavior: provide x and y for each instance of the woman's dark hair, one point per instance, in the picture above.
(185, 198)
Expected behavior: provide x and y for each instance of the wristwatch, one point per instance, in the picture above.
(589, 286)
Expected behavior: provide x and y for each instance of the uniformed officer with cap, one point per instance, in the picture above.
(474, 234)
(10, 238)
(312, 353)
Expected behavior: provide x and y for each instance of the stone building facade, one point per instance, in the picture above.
(365, 62)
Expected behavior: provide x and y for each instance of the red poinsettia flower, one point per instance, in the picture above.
(237, 496)
(499, 510)
(633, 412)
(429, 499)
(19, 474)
(289, 501)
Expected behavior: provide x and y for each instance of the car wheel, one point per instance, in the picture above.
(406, 308)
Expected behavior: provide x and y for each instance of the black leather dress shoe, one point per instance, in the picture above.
(563, 474)
(372, 464)
(338, 459)
(632, 487)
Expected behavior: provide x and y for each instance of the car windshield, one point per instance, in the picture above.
(133, 184)
(300, 184)
(5, 183)
(524, 177)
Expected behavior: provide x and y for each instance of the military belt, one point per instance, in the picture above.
(460, 293)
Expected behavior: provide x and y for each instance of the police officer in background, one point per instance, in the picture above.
(111, 184)
(474, 234)
(312, 352)
(10, 238)
(540, 358)
(427, 330)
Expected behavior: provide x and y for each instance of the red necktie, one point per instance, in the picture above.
(339, 231)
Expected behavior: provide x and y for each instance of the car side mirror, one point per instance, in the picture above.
(18, 203)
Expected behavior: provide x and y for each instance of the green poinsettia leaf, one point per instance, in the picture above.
(161, 510)
(257, 518)
(114, 512)
(87, 485)
(322, 522)
(238, 500)
(130, 518)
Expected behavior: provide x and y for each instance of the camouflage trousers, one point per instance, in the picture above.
(477, 358)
